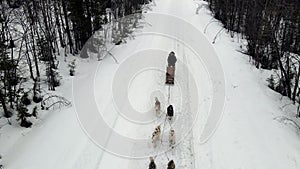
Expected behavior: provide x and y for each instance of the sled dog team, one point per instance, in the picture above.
(155, 139)
(170, 113)
(157, 131)
(152, 165)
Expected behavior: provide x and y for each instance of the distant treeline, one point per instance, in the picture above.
(272, 30)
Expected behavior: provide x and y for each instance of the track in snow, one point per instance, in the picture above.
(141, 93)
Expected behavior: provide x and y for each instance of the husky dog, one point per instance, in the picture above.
(152, 164)
(156, 136)
(172, 138)
(171, 165)
(157, 106)
(170, 112)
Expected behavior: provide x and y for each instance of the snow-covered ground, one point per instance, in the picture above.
(253, 131)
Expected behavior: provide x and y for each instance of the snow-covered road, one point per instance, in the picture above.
(119, 94)
(240, 141)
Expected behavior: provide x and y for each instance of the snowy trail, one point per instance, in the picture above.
(183, 153)
(239, 142)
(179, 97)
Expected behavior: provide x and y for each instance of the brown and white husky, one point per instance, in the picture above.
(172, 138)
(157, 106)
(156, 136)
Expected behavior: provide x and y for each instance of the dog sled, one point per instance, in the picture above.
(170, 74)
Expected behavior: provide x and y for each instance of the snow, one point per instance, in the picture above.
(255, 130)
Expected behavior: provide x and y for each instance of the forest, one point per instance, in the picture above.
(35, 33)
(272, 31)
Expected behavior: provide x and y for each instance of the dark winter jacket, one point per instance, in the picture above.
(172, 59)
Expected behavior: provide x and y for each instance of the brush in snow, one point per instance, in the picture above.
(157, 106)
(118, 42)
(25, 100)
(152, 164)
(156, 136)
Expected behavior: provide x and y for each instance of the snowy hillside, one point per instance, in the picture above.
(226, 117)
